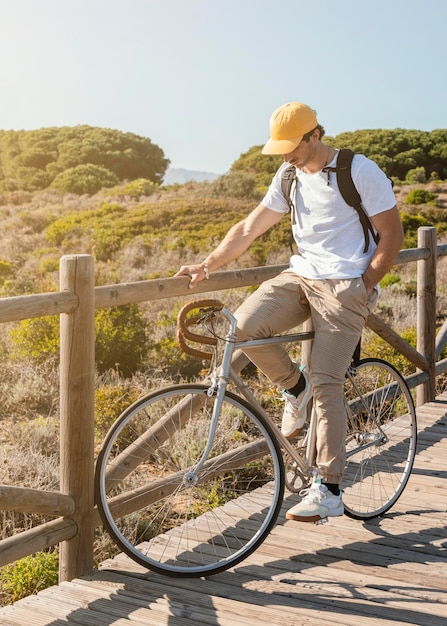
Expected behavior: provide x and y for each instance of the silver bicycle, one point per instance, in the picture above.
(190, 479)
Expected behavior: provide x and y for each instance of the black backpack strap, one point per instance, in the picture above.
(287, 187)
(350, 194)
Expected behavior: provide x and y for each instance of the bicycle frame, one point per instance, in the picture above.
(226, 373)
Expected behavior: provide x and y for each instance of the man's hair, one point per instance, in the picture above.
(308, 135)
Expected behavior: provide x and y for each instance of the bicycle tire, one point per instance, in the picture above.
(381, 438)
(159, 512)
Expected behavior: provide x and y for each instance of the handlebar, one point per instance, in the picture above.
(206, 308)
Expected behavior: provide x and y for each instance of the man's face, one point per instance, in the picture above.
(303, 154)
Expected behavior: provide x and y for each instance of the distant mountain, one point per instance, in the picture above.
(179, 175)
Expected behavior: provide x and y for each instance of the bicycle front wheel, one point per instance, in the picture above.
(381, 438)
(165, 514)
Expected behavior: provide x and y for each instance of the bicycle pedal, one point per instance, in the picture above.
(320, 522)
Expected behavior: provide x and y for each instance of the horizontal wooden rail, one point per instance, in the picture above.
(54, 303)
(36, 539)
(35, 501)
(26, 307)
(158, 289)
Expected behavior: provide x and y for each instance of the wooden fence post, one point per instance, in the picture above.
(426, 311)
(77, 379)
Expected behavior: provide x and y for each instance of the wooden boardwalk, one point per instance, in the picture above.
(389, 571)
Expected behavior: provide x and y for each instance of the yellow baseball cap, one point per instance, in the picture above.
(288, 124)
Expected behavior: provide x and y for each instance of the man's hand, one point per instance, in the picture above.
(389, 226)
(197, 273)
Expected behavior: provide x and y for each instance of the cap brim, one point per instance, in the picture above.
(281, 146)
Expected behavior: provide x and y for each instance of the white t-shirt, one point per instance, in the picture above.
(328, 231)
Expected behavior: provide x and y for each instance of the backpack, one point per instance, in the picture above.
(347, 189)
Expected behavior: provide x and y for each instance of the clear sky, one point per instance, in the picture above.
(200, 78)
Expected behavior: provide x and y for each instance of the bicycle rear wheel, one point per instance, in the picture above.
(381, 438)
(164, 514)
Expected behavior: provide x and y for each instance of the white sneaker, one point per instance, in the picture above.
(295, 410)
(318, 503)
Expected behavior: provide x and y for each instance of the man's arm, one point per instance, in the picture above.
(389, 227)
(236, 241)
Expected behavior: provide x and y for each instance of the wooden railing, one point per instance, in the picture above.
(73, 508)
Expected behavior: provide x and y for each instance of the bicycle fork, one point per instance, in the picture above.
(218, 387)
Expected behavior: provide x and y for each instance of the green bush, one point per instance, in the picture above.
(235, 185)
(49, 265)
(6, 270)
(389, 279)
(86, 178)
(121, 339)
(36, 338)
(110, 401)
(70, 225)
(139, 187)
(411, 222)
(165, 353)
(420, 196)
(379, 348)
(28, 575)
(416, 175)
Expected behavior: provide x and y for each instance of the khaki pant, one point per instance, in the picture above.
(338, 309)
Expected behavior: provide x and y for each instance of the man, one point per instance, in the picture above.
(331, 280)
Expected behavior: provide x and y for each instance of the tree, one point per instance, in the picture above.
(85, 179)
(32, 160)
(416, 175)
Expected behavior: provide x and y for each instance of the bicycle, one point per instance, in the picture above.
(190, 479)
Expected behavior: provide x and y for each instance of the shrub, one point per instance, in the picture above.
(379, 348)
(420, 196)
(6, 271)
(37, 437)
(86, 178)
(139, 187)
(416, 175)
(166, 355)
(111, 399)
(49, 265)
(36, 338)
(28, 575)
(121, 339)
(389, 279)
(235, 185)
(66, 226)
